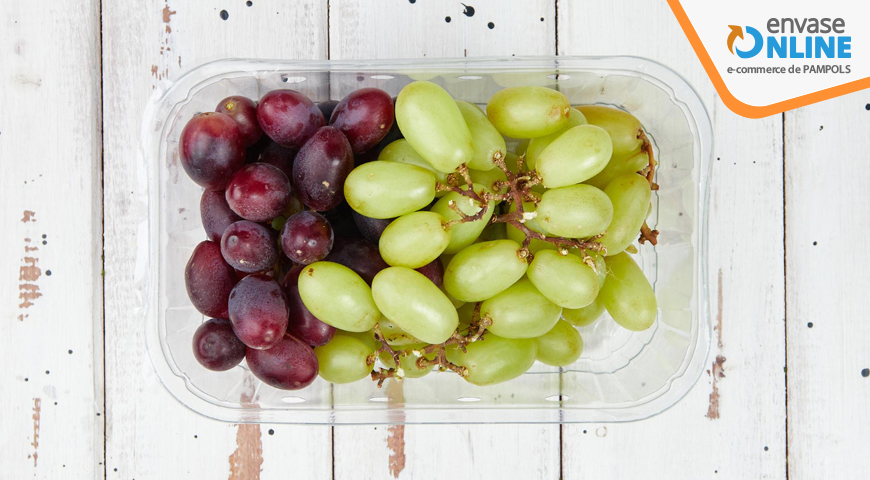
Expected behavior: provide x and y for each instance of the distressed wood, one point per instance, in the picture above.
(732, 424)
(149, 434)
(51, 308)
(827, 192)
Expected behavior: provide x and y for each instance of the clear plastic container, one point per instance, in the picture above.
(622, 376)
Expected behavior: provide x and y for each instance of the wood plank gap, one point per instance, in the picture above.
(785, 290)
(103, 244)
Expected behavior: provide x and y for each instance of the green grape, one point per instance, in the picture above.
(338, 296)
(344, 359)
(395, 335)
(401, 151)
(597, 260)
(466, 315)
(578, 154)
(388, 189)
(432, 123)
(630, 195)
(461, 234)
(367, 337)
(581, 317)
(482, 270)
(624, 130)
(528, 112)
(515, 234)
(488, 177)
(537, 145)
(559, 347)
(627, 294)
(494, 359)
(455, 301)
(486, 139)
(414, 239)
(414, 304)
(493, 231)
(521, 311)
(409, 362)
(619, 165)
(564, 279)
(576, 211)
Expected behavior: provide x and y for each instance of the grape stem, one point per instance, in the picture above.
(648, 235)
(650, 170)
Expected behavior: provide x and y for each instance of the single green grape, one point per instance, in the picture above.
(627, 294)
(581, 317)
(338, 296)
(482, 270)
(395, 335)
(344, 359)
(564, 279)
(625, 130)
(466, 315)
(521, 311)
(494, 359)
(367, 337)
(486, 139)
(414, 239)
(401, 151)
(575, 211)
(537, 145)
(432, 123)
(409, 362)
(630, 195)
(515, 234)
(559, 347)
(528, 112)
(415, 304)
(577, 154)
(388, 189)
(461, 234)
(493, 231)
(619, 165)
(487, 178)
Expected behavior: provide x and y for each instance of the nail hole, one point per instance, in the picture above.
(289, 79)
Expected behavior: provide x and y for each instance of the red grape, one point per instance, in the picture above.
(434, 271)
(364, 116)
(279, 156)
(327, 107)
(258, 192)
(303, 324)
(371, 228)
(244, 111)
(258, 310)
(216, 214)
(289, 365)
(321, 168)
(358, 255)
(209, 280)
(307, 237)
(288, 117)
(216, 347)
(211, 149)
(249, 247)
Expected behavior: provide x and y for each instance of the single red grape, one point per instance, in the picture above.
(321, 168)
(303, 324)
(258, 192)
(209, 280)
(216, 347)
(244, 111)
(289, 365)
(364, 116)
(258, 310)
(289, 117)
(358, 255)
(307, 237)
(279, 156)
(211, 149)
(249, 247)
(370, 228)
(216, 214)
(434, 271)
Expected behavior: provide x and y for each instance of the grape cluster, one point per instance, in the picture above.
(388, 237)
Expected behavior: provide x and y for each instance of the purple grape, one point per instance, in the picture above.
(288, 117)
(216, 214)
(209, 280)
(341, 220)
(258, 310)
(249, 247)
(321, 168)
(364, 116)
(327, 107)
(289, 365)
(279, 156)
(216, 347)
(303, 324)
(371, 228)
(211, 149)
(258, 192)
(307, 237)
(358, 255)
(244, 111)
(434, 271)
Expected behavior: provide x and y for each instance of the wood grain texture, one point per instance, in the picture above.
(401, 29)
(736, 411)
(827, 194)
(51, 306)
(149, 434)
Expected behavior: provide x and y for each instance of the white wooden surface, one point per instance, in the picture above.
(779, 184)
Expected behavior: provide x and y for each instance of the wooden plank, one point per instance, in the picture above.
(419, 29)
(51, 309)
(828, 361)
(732, 424)
(149, 434)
